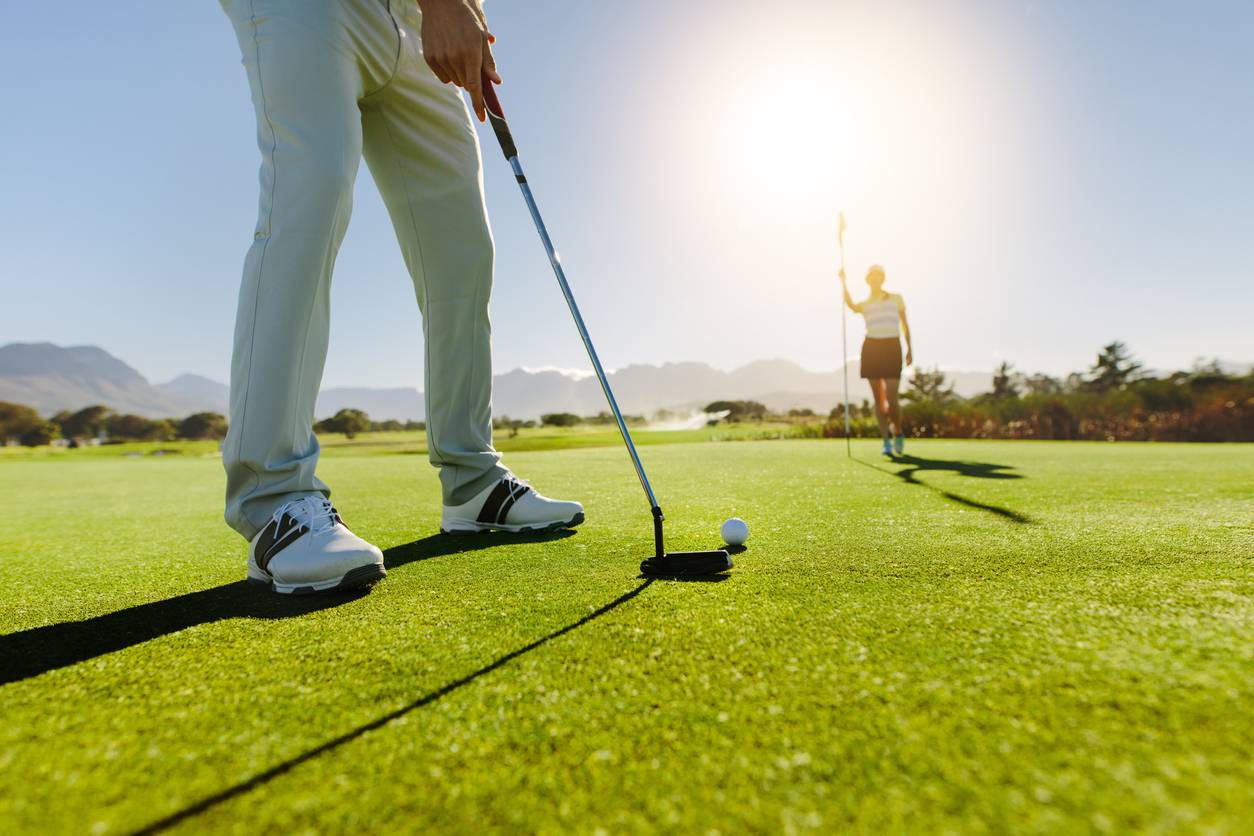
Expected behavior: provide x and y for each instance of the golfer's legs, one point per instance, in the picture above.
(309, 131)
(881, 405)
(891, 385)
(424, 155)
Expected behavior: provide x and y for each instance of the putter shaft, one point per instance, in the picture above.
(556, 263)
(661, 564)
(496, 116)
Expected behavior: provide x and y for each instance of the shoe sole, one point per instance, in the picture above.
(361, 576)
(534, 528)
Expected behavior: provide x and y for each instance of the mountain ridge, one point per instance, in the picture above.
(52, 378)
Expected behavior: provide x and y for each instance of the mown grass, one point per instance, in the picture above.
(992, 636)
(415, 442)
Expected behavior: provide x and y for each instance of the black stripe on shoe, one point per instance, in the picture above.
(275, 537)
(516, 493)
(492, 505)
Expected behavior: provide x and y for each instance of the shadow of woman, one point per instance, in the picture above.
(977, 470)
(31, 652)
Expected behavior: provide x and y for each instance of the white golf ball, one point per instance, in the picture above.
(735, 531)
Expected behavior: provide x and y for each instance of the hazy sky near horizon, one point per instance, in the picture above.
(1037, 179)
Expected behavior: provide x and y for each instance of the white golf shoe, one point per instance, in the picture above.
(510, 505)
(307, 548)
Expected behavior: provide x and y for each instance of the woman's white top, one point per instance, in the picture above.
(883, 316)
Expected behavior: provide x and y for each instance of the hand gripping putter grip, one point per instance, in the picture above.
(662, 564)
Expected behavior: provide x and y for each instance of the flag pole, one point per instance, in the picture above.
(844, 342)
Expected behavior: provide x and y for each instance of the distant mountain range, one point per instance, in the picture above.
(51, 378)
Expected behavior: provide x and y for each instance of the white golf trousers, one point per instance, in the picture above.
(332, 80)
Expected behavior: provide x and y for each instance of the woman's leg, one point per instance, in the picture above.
(891, 385)
(881, 404)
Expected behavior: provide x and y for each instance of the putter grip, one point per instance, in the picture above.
(496, 115)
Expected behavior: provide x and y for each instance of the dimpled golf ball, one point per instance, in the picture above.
(735, 531)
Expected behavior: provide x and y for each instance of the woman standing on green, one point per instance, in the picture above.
(885, 315)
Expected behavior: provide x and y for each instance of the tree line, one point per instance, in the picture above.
(1115, 399)
(99, 424)
(352, 422)
(25, 426)
(570, 419)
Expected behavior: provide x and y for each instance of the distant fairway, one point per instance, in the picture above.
(997, 636)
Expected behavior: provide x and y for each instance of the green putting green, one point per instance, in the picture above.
(989, 636)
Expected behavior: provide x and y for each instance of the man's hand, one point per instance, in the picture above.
(458, 46)
(909, 357)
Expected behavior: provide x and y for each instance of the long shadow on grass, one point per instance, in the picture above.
(439, 545)
(978, 470)
(349, 736)
(32, 652)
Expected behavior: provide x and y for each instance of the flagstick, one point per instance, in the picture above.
(845, 355)
(844, 342)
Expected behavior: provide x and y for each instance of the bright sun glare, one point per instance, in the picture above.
(900, 125)
(790, 140)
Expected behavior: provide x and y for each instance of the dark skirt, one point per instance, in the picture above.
(881, 358)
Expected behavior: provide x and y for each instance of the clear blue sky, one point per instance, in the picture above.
(1038, 178)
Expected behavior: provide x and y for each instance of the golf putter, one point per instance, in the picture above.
(662, 564)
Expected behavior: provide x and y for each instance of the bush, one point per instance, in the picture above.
(17, 420)
(203, 426)
(860, 426)
(350, 422)
(137, 428)
(600, 419)
(559, 419)
(89, 422)
(45, 432)
(738, 412)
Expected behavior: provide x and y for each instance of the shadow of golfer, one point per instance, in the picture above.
(978, 470)
(440, 545)
(31, 652)
(347, 737)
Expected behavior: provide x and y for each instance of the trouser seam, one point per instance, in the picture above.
(261, 259)
(426, 300)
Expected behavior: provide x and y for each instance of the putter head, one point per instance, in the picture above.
(687, 564)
